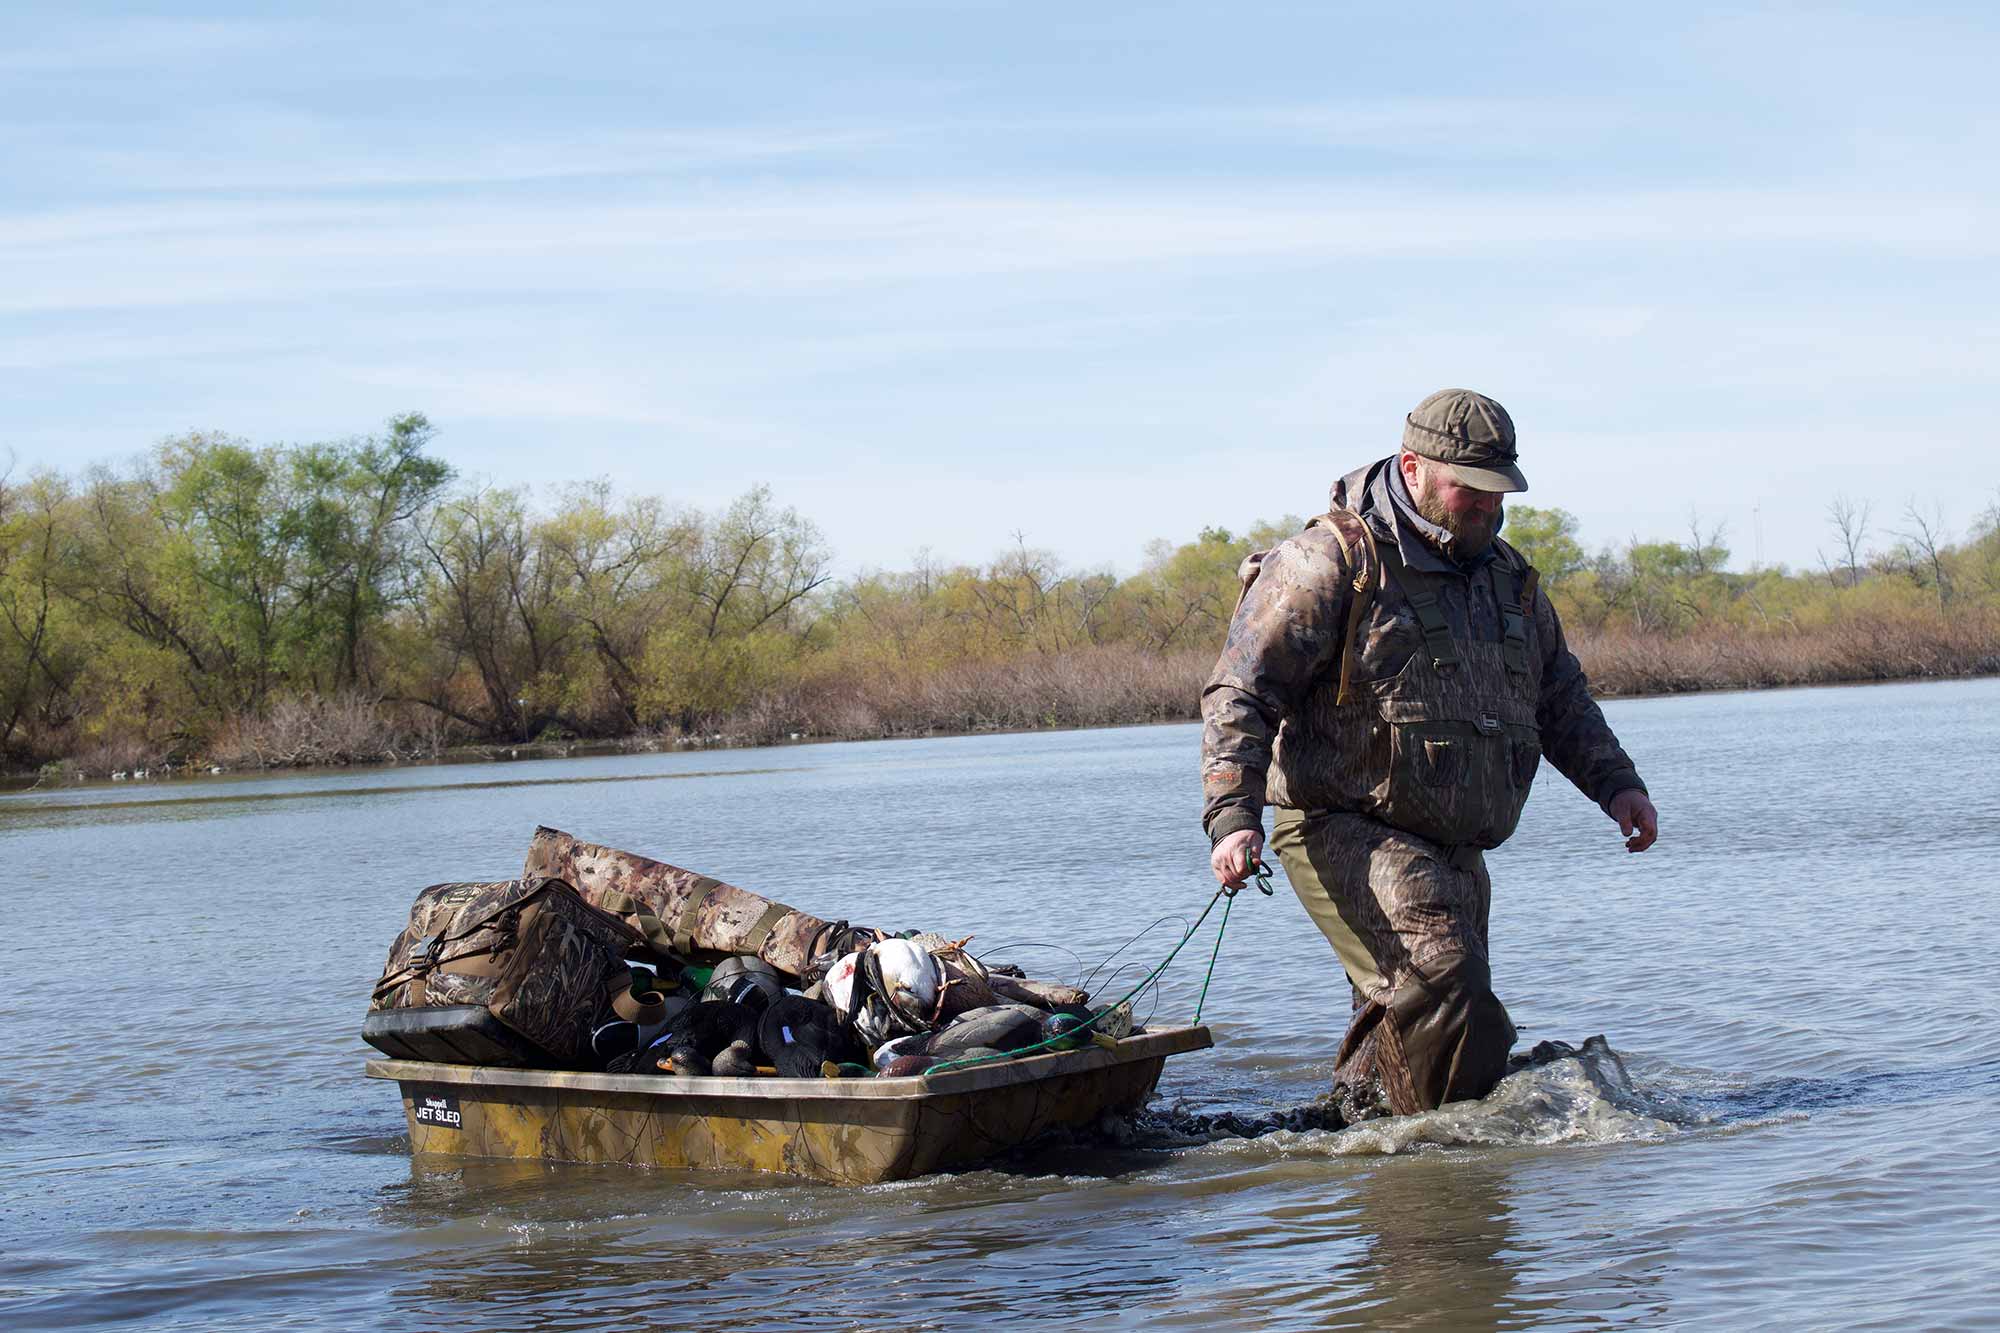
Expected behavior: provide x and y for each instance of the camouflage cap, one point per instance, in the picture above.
(1470, 434)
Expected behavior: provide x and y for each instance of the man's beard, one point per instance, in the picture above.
(1469, 535)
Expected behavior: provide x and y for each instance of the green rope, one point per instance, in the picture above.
(1202, 999)
(1263, 874)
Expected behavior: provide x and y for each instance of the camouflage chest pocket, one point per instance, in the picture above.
(1447, 752)
(1459, 771)
(1436, 761)
(1524, 755)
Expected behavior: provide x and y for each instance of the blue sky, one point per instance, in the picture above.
(940, 273)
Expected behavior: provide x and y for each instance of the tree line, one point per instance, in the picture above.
(222, 602)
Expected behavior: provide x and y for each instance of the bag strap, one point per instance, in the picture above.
(640, 915)
(683, 934)
(539, 887)
(765, 924)
(431, 961)
(434, 955)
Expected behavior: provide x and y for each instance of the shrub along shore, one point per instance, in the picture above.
(223, 605)
(1094, 687)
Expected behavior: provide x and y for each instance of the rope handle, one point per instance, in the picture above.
(1262, 874)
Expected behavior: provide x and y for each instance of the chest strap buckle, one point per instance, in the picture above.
(1437, 630)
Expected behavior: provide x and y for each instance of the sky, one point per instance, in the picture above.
(948, 275)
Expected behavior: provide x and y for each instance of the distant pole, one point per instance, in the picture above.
(1757, 531)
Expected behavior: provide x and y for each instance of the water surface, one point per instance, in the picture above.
(1799, 1123)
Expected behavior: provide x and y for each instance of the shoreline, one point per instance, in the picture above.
(21, 781)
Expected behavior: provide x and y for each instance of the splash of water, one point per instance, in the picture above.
(1556, 1094)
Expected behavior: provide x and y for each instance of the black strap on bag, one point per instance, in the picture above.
(436, 949)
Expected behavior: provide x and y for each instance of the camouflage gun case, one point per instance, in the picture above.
(507, 972)
(688, 914)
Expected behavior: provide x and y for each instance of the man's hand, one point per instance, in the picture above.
(1637, 819)
(1233, 857)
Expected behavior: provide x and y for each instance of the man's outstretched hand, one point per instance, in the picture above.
(1233, 857)
(1637, 819)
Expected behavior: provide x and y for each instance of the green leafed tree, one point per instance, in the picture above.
(356, 506)
(749, 577)
(44, 650)
(1548, 538)
(633, 567)
(1183, 596)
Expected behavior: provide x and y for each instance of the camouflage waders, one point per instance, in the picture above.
(1407, 919)
(1399, 886)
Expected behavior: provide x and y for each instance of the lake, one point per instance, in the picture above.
(1801, 1122)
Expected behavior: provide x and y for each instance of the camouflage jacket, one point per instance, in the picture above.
(1447, 753)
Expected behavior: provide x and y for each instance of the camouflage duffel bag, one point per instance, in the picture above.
(508, 972)
(690, 915)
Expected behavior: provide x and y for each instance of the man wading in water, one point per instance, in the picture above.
(1391, 682)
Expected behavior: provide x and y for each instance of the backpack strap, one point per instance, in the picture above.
(1246, 574)
(1357, 543)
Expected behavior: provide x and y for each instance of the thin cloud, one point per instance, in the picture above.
(134, 46)
(336, 164)
(156, 254)
(603, 396)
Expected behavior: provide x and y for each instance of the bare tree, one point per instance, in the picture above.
(496, 599)
(1985, 547)
(1849, 520)
(756, 565)
(1705, 549)
(1926, 536)
(627, 569)
(1027, 597)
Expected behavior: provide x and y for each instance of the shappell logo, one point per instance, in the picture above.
(441, 1111)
